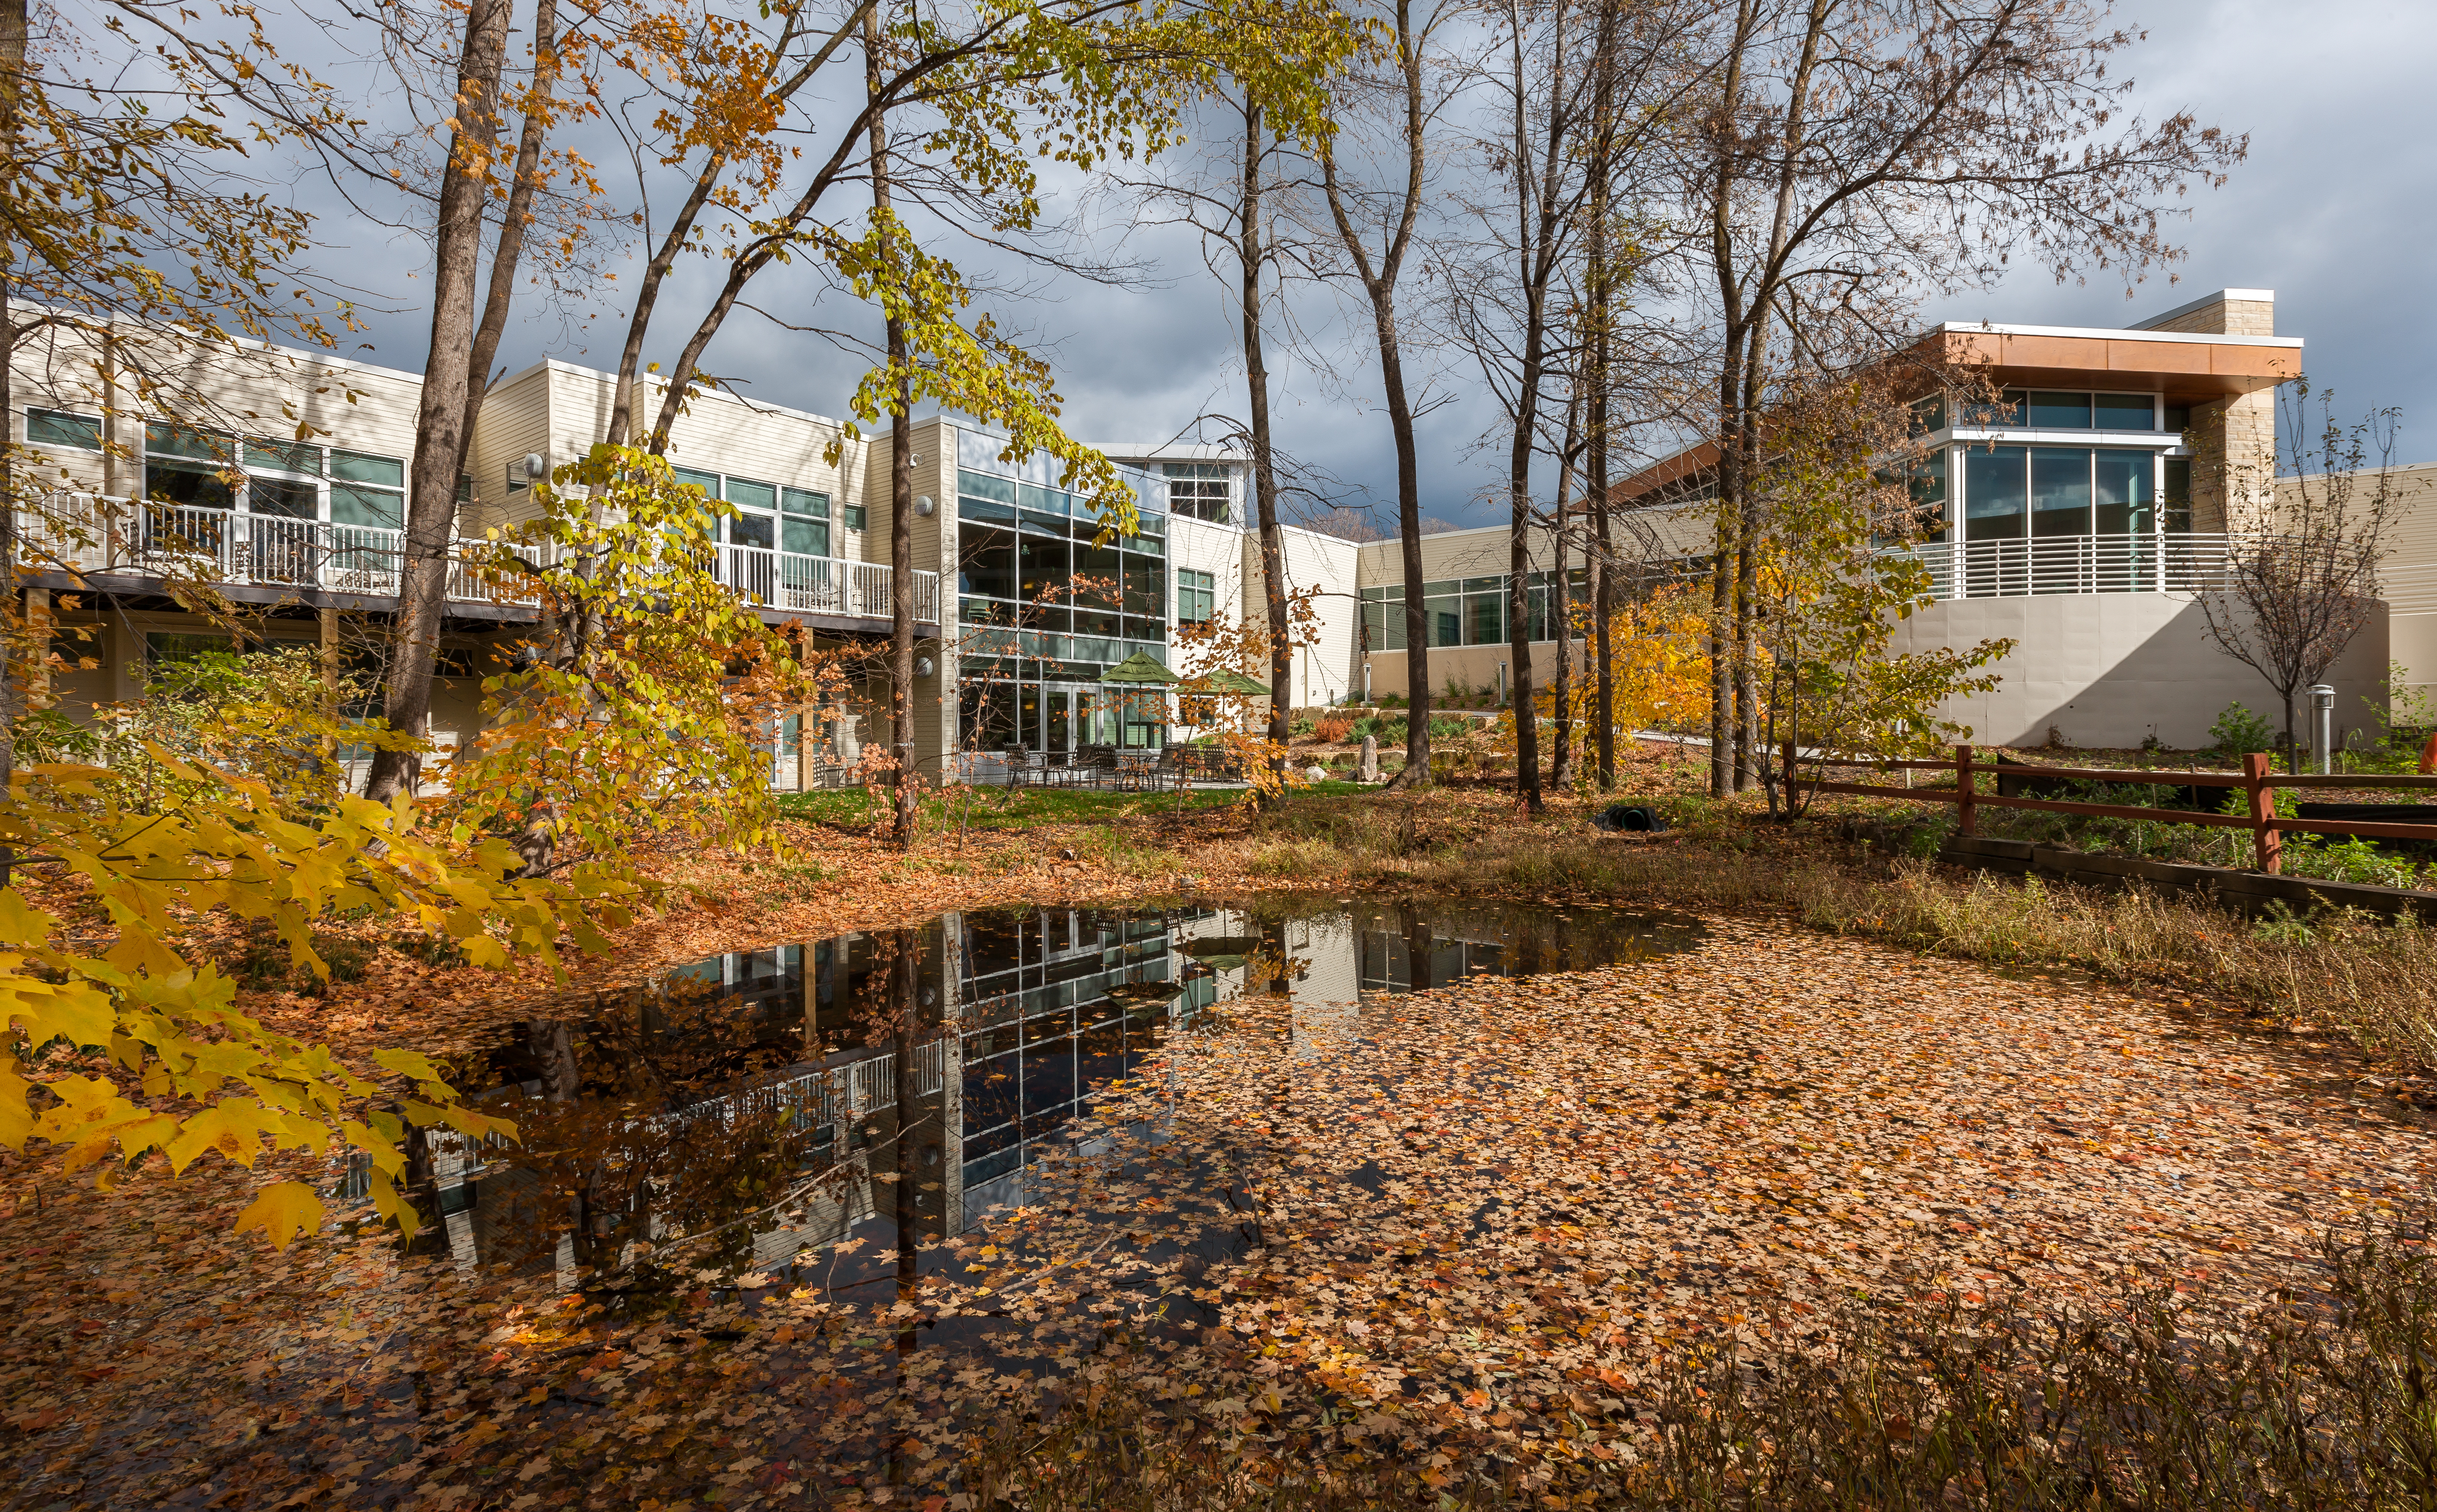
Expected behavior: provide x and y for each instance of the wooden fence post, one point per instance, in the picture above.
(1967, 813)
(2267, 843)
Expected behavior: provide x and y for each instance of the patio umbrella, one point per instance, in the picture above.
(1139, 668)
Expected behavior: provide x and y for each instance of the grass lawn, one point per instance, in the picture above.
(995, 808)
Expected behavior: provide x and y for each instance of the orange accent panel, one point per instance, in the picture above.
(2160, 358)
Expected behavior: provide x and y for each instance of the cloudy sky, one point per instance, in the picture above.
(2331, 211)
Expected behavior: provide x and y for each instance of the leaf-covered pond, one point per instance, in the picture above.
(741, 1116)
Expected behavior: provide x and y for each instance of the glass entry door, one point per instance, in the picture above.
(1056, 721)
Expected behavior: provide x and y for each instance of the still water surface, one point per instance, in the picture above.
(737, 1113)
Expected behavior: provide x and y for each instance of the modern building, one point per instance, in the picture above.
(2082, 515)
(2079, 516)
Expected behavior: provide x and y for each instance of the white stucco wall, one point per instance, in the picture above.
(2109, 670)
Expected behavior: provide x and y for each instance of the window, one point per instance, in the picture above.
(278, 495)
(2060, 412)
(2125, 411)
(755, 523)
(359, 467)
(1996, 492)
(2126, 492)
(2178, 495)
(284, 456)
(1928, 414)
(1144, 596)
(1383, 619)
(1485, 611)
(1926, 488)
(1197, 597)
(163, 647)
(189, 468)
(2060, 490)
(987, 570)
(367, 491)
(56, 428)
(1201, 491)
(854, 516)
(804, 522)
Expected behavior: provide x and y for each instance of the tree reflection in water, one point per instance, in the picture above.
(817, 1115)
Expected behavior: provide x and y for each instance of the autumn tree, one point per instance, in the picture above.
(1850, 158)
(1828, 682)
(1376, 222)
(2302, 574)
(1263, 81)
(465, 326)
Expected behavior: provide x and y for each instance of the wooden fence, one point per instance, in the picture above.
(2257, 782)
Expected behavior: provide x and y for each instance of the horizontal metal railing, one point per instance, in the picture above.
(831, 1095)
(99, 533)
(821, 585)
(2182, 563)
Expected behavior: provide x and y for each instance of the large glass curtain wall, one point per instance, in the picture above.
(1048, 608)
(2063, 519)
(1459, 611)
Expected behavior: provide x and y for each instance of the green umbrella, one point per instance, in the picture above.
(1228, 680)
(1139, 668)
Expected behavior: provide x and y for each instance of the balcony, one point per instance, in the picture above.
(96, 535)
(2070, 565)
(792, 585)
(271, 557)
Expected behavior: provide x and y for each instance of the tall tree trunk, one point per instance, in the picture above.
(1380, 283)
(1536, 233)
(12, 73)
(509, 251)
(1250, 256)
(901, 485)
(1561, 682)
(1602, 291)
(440, 418)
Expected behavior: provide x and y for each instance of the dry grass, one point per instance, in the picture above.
(1923, 1402)
(2378, 981)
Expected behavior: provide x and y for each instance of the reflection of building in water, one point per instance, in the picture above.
(693, 1107)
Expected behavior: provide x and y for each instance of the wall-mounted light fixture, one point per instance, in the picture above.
(536, 467)
(924, 507)
(922, 666)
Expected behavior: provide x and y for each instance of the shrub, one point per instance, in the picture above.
(2238, 732)
(1334, 728)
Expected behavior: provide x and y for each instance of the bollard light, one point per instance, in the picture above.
(2323, 704)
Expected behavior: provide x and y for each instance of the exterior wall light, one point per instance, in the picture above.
(922, 666)
(536, 467)
(924, 507)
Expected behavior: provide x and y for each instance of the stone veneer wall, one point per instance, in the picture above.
(2237, 437)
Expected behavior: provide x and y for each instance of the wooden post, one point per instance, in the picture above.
(2267, 843)
(329, 619)
(1967, 811)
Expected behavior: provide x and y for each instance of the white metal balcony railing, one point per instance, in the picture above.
(821, 585)
(92, 533)
(98, 533)
(2072, 564)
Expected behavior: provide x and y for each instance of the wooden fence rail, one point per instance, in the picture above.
(2258, 783)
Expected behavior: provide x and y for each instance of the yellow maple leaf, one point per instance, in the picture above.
(234, 1127)
(281, 1211)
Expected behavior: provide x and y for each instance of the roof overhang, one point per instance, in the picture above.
(2184, 367)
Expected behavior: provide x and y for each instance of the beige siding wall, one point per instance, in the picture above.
(2408, 578)
(263, 391)
(514, 423)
